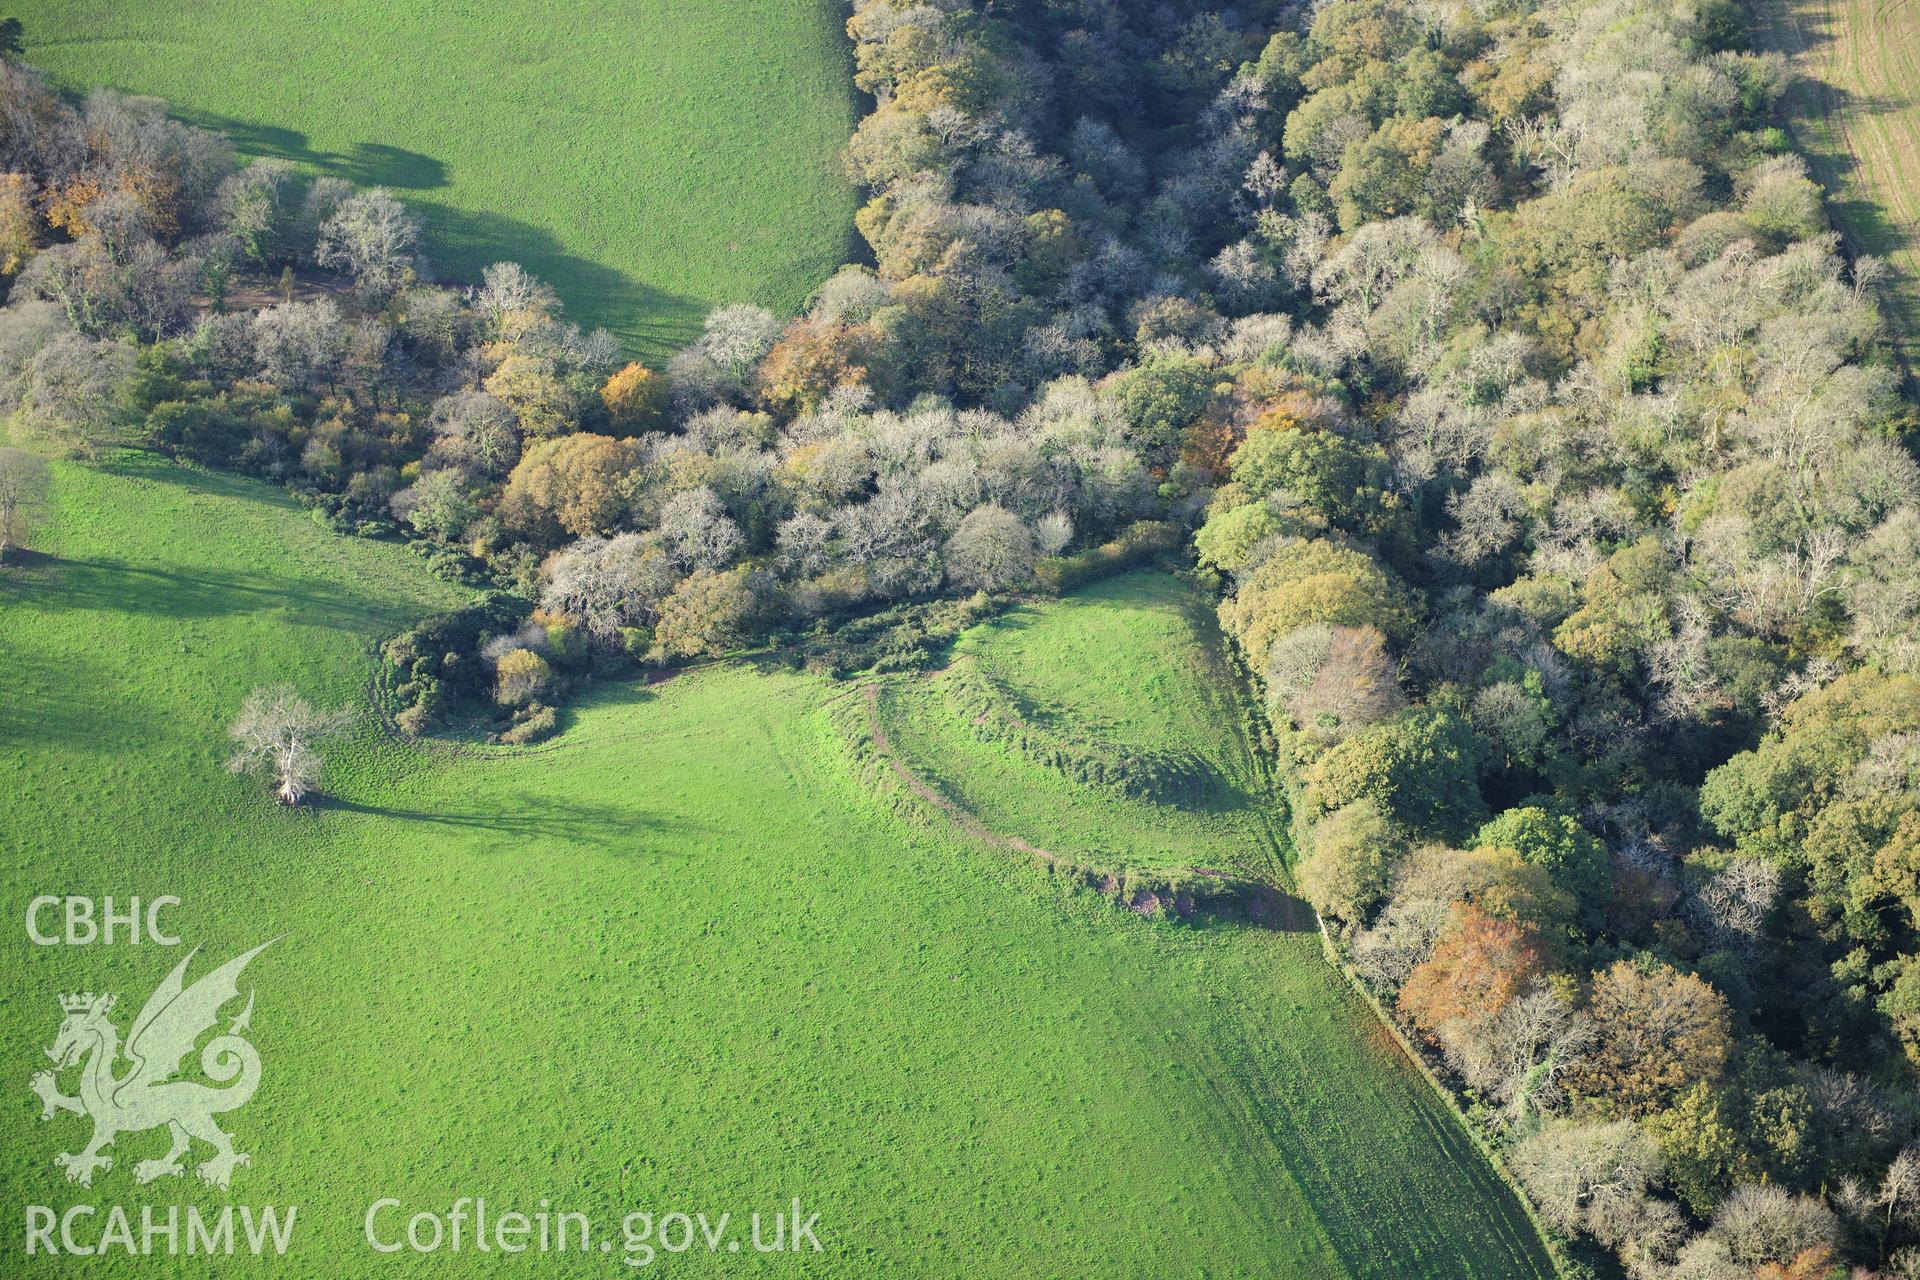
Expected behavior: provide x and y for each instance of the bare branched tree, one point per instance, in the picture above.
(280, 733)
(372, 237)
(1734, 905)
(1053, 532)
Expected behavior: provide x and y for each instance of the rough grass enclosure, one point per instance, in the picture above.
(1142, 773)
(650, 161)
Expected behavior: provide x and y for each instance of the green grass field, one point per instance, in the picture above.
(1854, 114)
(650, 160)
(1134, 660)
(679, 958)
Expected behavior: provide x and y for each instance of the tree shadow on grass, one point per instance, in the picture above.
(650, 322)
(158, 468)
(1862, 220)
(1815, 110)
(70, 701)
(524, 817)
(364, 164)
(115, 586)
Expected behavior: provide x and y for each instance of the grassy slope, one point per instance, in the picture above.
(1370, 1158)
(675, 959)
(1855, 114)
(649, 159)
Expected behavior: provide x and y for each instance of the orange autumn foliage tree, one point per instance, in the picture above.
(809, 361)
(1259, 402)
(1809, 1264)
(1657, 1032)
(156, 188)
(636, 400)
(1210, 441)
(65, 204)
(580, 483)
(1478, 966)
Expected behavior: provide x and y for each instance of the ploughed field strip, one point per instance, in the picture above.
(688, 957)
(1855, 115)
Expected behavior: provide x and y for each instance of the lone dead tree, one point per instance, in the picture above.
(280, 733)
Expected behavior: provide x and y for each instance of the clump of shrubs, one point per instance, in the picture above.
(1173, 894)
(904, 637)
(434, 669)
(531, 724)
(521, 676)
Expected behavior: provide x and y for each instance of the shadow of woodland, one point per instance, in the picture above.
(650, 322)
(108, 585)
(365, 164)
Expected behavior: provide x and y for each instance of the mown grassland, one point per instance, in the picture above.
(1855, 114)
(650, 160)
(679, 958)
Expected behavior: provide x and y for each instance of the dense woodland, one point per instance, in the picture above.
(1499, 361)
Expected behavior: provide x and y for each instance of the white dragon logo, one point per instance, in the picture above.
(148, 1095)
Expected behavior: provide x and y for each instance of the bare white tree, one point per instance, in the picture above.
(1244, 277)
(736, 336)
(510, 296)
(1518, 1056)
(279, 735)
(610, 583)
(806, 542)
(1705, 1258)
(1487, 517)
(1053, 532)
(1332, 681)
(697, 527)
(73, 391)
(474, 427)
(1763, 1223)
(991, 550)
(1899, 1197)
(1588, 1177)
(850, 297)
(299, 343)
(1734, 904)
(373, 238)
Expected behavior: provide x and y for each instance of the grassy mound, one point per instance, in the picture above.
(679, 959)
(648, 160)
(1133, 660)
(1141, 772)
